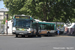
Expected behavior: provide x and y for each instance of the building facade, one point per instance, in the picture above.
(2, 17)
(2, 14)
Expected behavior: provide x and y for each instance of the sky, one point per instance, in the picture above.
(1, 4)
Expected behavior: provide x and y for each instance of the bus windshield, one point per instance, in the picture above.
(23, 23)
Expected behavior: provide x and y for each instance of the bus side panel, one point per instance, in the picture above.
(43, 32)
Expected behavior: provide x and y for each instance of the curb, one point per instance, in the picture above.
(64, 36)
(6, 35)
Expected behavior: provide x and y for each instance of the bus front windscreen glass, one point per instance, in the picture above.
(23, 23)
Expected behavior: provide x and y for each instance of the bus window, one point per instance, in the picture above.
(14, 22)
(52, 27)
(44, 26)
(49, 27)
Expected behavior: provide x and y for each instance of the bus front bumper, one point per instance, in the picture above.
(23, 32)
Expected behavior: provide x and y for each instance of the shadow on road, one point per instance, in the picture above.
(35, 36)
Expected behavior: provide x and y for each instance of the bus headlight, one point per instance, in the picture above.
(13, 30)
(29, 32)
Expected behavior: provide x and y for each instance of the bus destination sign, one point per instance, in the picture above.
(22, 17)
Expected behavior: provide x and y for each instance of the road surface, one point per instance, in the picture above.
(37, 43)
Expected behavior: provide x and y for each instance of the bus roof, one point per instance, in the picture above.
(23, 15)
(46, 23)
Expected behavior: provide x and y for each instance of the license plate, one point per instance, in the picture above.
(21, 33)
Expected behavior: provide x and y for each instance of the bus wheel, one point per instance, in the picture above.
(48, 34)
(26, 35)
(16, 35)
(36, 35)
(19, 36)
(53, 34)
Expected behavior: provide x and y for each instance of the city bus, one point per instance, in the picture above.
(22, 25)
(44, 28)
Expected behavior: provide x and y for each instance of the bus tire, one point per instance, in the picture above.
(36, 35)
(48, 34)
(26, 36)
(19, 36)
(16, 35)
(53, 34)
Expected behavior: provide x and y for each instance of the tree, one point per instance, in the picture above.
(48, 10)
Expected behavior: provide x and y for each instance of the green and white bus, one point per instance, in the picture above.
(26, 25)
(44, 28)
(22, 25)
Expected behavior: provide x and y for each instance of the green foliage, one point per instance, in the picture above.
(48, 10)
(4, 21)
(9, 18)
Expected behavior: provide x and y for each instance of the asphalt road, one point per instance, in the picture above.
(39, 43)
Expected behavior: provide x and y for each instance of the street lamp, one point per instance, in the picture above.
(36, 28)
(6, 23)
(74, 29)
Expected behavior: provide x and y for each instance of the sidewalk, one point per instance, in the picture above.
(65, 36)
(42, 35)
(6, 35)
